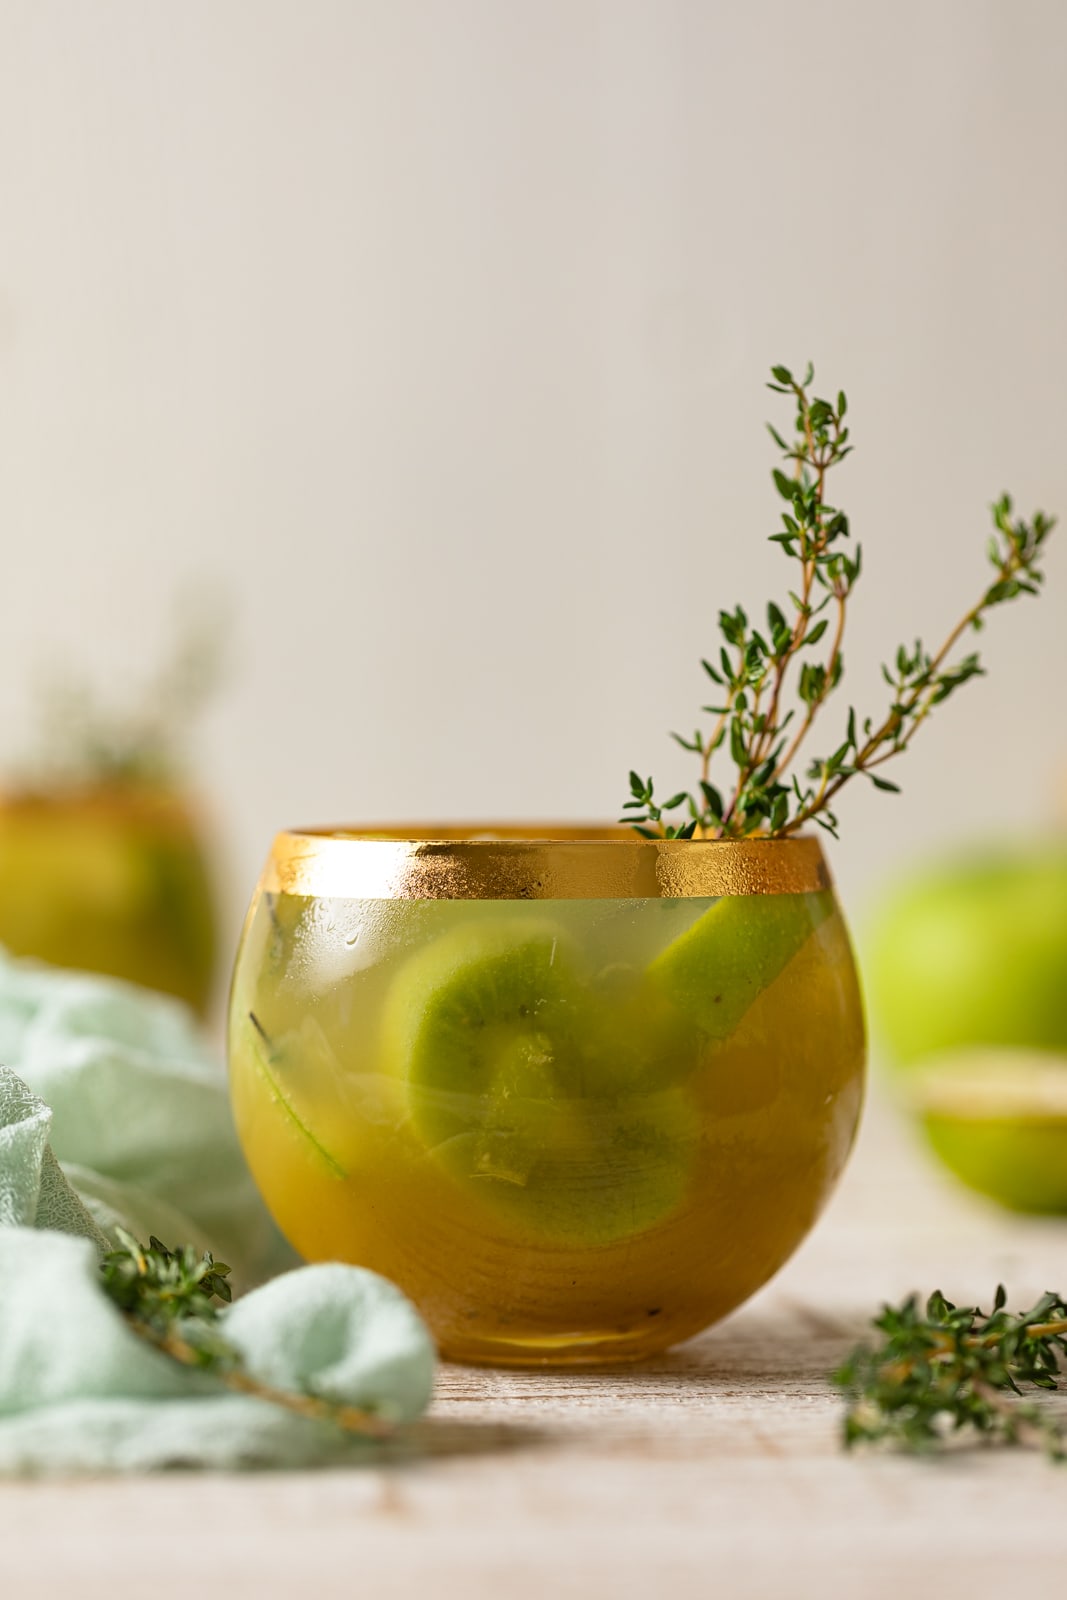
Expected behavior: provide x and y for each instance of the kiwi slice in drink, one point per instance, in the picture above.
(606, 1171)
(481, 1019)
(499, 1044)
(714, 971)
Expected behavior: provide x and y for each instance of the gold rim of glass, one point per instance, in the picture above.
(531, 861)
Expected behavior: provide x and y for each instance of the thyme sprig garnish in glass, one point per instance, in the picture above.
(172, 1298)
(948, 1369)
(772, 682)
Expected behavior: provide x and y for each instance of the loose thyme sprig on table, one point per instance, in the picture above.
(953, 1368)
(171, 1299)
(759, 670)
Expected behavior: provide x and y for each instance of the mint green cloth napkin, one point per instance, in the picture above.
(141, 1117)
(79, 1390)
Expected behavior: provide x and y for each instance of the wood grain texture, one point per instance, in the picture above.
(715, 1470)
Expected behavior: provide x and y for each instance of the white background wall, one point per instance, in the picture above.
(435, 334)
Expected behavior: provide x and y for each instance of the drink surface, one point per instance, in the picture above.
(569, 1130)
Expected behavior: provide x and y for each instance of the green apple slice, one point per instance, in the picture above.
(715, 971)
(997, 1117)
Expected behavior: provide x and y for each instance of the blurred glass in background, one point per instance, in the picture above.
(104, 860)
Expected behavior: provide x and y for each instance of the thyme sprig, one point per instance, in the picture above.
(772, 682)
(949, 1369)
(85, 741)
(171, 1298)
(163, 1286)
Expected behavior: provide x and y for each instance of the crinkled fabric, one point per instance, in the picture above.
(140, 1112)
(80, 1390)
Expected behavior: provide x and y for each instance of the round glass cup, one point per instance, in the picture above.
(113, 878)
(578, 1093)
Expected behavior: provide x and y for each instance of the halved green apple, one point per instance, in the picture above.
(998, 1118)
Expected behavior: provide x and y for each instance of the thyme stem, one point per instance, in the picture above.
(352, 1419)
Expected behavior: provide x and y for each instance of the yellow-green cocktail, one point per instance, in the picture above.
(570, 1127)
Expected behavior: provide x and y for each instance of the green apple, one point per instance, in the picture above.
(967, 976)
(998, 1118)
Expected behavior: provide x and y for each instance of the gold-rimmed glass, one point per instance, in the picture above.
(579, 1093)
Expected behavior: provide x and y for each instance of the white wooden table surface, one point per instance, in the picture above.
(713, 1471)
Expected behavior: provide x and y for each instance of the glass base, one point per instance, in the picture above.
(600, 1349)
